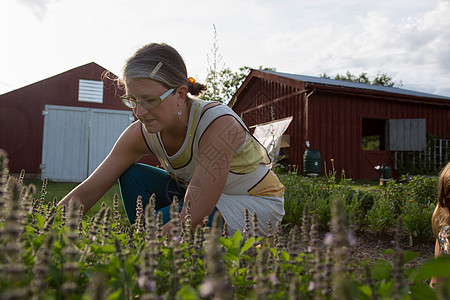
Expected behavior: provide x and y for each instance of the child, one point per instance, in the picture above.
(441, 218)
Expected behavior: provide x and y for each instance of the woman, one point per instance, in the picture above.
(441, 219)
(209, 157)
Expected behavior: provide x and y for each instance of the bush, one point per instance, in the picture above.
(374, 210)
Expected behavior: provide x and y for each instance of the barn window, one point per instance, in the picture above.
(90, 91)
(373, 134)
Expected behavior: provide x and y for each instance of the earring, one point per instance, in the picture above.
(179, 111)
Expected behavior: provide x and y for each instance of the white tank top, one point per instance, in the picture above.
(249, 173)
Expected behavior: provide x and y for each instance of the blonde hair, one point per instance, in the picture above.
(165, 65)
(441, 215)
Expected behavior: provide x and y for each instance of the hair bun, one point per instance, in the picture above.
(195, 88)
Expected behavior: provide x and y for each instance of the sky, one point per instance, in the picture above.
(407, 39)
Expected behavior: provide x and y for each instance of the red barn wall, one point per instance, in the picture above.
(264, 100)
(21, 119)
(335, 126)
(332, 120)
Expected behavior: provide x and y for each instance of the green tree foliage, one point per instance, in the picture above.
(381, 79)
(223, 85)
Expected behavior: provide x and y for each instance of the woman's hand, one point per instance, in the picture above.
(129, 148)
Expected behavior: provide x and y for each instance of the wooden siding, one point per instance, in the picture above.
(407, 135)
(331, 118)
(266, 101)
(21, 119)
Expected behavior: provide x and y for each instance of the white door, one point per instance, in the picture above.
(77, 139)
(65, 151)
(106, 126)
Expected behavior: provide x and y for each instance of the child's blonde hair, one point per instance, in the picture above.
(441, 215)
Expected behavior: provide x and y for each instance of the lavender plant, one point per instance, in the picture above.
(49, 252)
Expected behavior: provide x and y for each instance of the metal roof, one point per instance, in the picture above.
(355, 85)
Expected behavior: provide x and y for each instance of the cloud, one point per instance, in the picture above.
(38, 7)
(407, 39)
(414, 49)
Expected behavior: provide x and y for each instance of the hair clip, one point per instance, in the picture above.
(191, 80)
(158, 66)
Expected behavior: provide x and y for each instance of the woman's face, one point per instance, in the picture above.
(156, 119)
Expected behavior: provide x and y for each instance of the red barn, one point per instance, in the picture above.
(340, 118)
(63, 126)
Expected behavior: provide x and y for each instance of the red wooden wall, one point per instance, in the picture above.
(331, 118)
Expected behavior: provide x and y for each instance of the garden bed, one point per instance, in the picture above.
(51, 253)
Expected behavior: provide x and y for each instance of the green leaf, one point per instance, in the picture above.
(285, 256)
(187, 292)
(40, 220)
(436, 267)
(232, 271)
(421, 290)
(248, 244)
(105, 249)
(386, 288)
(242, 271)
(227, 243)
(38, 240)
(381, 269)
(115, 295)
(409, 256)
(366, 290)
(388, 251)
(237, 235)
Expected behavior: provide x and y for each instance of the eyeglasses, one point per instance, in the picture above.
(148, 103)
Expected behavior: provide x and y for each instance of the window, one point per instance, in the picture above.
(373, 134)
(90, 91)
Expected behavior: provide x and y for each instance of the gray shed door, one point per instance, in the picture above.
(77, 139)
(407, 134)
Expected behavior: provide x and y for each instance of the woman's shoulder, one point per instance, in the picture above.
(444, 239)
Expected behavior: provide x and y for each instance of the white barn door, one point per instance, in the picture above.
(106, 126)
(77, 139)
(65, 152)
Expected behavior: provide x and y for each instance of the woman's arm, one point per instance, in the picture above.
(128, 149)
(437, 252)
(216, 149)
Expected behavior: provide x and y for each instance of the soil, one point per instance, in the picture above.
(371, 247)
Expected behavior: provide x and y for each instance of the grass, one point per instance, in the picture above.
(59, 189)
(364, 184)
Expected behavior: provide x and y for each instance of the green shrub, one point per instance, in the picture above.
(417, 220)
(381, 216)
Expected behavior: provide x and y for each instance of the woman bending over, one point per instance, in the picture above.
(209, 157)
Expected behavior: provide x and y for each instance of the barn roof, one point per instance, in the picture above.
(355, 85)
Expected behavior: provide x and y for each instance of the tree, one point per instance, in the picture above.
(223, 82)
(380, 79)
(212, 79)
